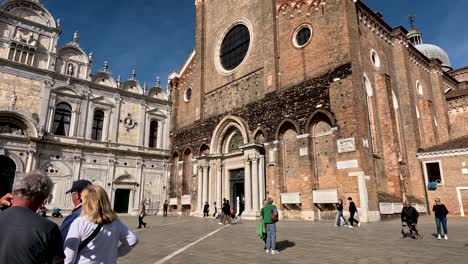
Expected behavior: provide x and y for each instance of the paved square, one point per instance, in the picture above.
(183, 240)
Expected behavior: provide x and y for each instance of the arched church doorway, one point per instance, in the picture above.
(7, 174)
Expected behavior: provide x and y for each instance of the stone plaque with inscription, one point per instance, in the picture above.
(347, 164)
(291, 198)
(386, 208)
(346, 145)
(186, 199)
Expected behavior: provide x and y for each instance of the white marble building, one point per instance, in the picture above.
(59, 118)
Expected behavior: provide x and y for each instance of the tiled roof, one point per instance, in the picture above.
(458, 143)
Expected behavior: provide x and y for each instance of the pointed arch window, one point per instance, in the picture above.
(98, 125)
(62, 119)
(153, 135)
(371, 115)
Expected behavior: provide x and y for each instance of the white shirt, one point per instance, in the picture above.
(104, 248)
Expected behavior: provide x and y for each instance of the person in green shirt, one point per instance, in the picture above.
(270, 225)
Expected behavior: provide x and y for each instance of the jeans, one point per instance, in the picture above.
(339, 215)
(271, 236)
(351, 219)
(442, 221)
(222, 217)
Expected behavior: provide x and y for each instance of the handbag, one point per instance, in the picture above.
(273, 217)
(85, 242)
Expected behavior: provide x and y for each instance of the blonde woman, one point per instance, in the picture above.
(94, 236)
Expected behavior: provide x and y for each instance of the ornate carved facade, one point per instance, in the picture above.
(57, 117)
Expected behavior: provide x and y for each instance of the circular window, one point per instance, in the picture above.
(375, 58)
(234, 47)
(419, 88)
(302, 36)
(188, 94)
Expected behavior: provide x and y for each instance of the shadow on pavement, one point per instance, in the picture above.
(283, 245)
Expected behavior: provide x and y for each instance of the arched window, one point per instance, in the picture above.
(98, 124)
(371, 115)
(153, 135)
(62, 119)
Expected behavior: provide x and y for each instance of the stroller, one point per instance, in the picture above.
(409, 230)
(57, 213)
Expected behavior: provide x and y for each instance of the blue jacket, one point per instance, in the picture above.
(68, 221)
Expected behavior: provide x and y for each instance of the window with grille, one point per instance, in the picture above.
(234, 47)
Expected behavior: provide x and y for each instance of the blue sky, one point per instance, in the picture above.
(156, 36)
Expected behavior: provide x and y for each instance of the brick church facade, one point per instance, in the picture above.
(306, 102)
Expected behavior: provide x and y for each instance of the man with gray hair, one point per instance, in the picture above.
(27, 237)
(270, 217)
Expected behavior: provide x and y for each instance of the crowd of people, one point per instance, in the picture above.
(409, 218)
(92, 233)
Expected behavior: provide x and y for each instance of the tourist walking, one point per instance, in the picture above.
(221, 221)
(165, 208)
(339, 213)
(75, 193)
(142, 215)
(98, 235)
(206, 209)
(227, 212)
(410, 215)
(352, 211)
(215, 210)
(441, 213)
(27, 238)
(270, 216)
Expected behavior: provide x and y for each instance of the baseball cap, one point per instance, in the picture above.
(79, 185)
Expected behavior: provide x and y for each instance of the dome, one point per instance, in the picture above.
(31, 10)
(434, 52)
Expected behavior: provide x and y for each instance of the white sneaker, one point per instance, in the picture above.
(350, 226)
(359, 224)
(438, 237)
(345, 225)
(267, 251)
(336, 225)
(220, 223)
(446, 237)
(274, 252)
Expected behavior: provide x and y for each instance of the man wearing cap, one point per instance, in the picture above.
(75, 191)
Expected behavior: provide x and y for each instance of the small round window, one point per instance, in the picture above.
(375, 58)
(188, 94)
(302, 36)
(234, 47)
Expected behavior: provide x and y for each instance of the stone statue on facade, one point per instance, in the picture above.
(70, 69)
(13, 102)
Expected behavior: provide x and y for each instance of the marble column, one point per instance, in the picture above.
(261, 178)
(200, 187)
(255, 190)
(227, 185)
(206, 169)
(219, 176)
(29, 162)
(248, 186)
